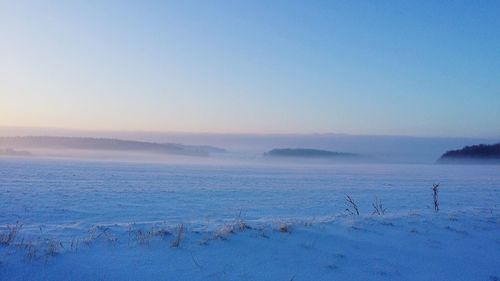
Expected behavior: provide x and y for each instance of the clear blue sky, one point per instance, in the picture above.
(424, 68)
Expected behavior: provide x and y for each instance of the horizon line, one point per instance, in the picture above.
(263, 134)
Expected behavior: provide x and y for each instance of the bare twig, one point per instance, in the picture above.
(435, 196)
(353, 205)
(378, 208)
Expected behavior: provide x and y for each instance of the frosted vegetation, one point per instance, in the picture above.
(83, 220)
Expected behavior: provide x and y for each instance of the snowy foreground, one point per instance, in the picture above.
(70, 220)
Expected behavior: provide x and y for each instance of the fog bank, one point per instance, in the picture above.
(385, 149)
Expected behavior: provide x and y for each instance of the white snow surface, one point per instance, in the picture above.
(88, 220)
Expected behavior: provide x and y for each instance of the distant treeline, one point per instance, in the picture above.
(481, 152)
(52, 142)
(307, 153)
(13, 152)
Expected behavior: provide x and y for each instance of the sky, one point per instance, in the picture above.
(419, 68)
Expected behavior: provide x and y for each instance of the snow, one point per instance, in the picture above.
(89, 220)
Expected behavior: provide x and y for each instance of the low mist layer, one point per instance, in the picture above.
(379, 149)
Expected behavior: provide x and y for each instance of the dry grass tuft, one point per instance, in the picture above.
(309, 223)
(54, 247)
(92, 236)
(31, 251)
(9, 236)
(241, 225)
(224, 232)
(94, 233)
(179, 235)
(284, 227)
(142, 237)
(162, 233)
(74, 244)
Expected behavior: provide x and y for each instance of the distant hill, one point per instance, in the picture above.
(50, 142)
(481, 153)
(308, 153)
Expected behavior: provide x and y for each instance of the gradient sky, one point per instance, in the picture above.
(424, 68)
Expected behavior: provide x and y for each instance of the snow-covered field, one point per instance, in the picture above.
(81, 220)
